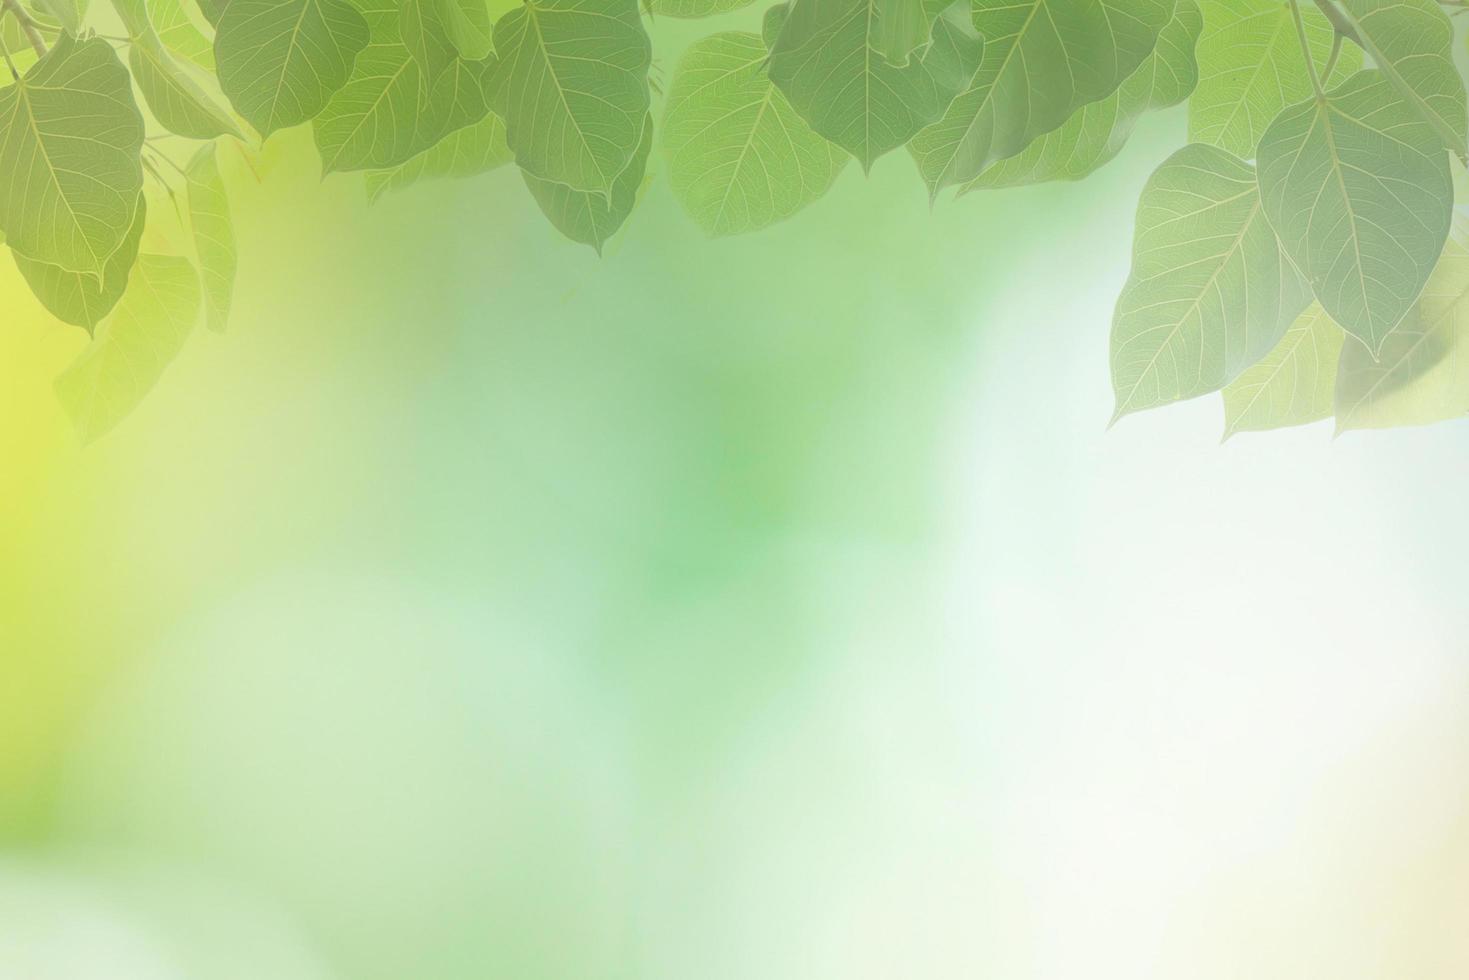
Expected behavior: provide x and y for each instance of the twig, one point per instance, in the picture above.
(27, 24)
(1295, 10)
(1336, 40)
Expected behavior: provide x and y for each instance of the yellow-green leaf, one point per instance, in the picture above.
(1293, 384)
(1210, 291)
(213, 230)
(1422, 373)
(80, 299)
(133, 346)
(739, 157)
(1251, 67)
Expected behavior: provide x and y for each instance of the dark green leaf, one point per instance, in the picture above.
(572, 88)
(590, 218)
(280, 61)
(70, 140)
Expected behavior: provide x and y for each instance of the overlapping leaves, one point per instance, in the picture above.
(1295, 254)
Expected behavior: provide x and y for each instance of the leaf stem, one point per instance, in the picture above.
(5, 50)
(27, 24)
(1339, 21)
(1336, 41)
(1295, 12)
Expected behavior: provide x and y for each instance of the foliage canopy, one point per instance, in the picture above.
(1299, 254)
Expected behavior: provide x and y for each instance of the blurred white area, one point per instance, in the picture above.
(78, 920)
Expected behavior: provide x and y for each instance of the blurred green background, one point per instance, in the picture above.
(773, 607)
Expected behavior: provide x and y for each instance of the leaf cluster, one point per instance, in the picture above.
(1296, 255)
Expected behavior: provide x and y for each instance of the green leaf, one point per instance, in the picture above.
(133, 347)
(739, 158)
(470, 26)
(175, 99)
(1096, 132)
(590, 218)
(19, 46)
(68, 13)
(213, 230)
(1251, 67)
(572, 88)
(1422, 372)
(213, 10)
(465, 152)
(390, 110)
(1043, 60)
(280, 61)
(1411, 41)
(424, 35)
(373, 120)
(79, 299)
(70, 140)
(1293, 384)
(1210, 291)
(1357, 187)
(176, 29)
(824, 61)
(900, 28)
(690, 9)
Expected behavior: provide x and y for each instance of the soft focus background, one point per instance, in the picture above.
(763, 608)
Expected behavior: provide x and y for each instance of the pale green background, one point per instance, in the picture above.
(762, 608)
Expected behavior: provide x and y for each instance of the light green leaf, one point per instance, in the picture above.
(572, 88)
(458, 96)
(1251, 67)
(1210, 291)
(68, 13)
(465, 152)
(373, 120)
(1422, 373)
(19, 46)
(1096, 132)
(470, 26)
(133, 346)
(739, 158)
(589, 218)
(1411, 41)
(176, 29)
(424, 35)
(1293, 384)
(901, 27)
(79, 299)
(213, 231)
(70, 140)
(1043, 60)
(691, 9)
(175, 99)
(824, 61)
(389, 111)
(280, 61)
(1357, 187)
(134, 16)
